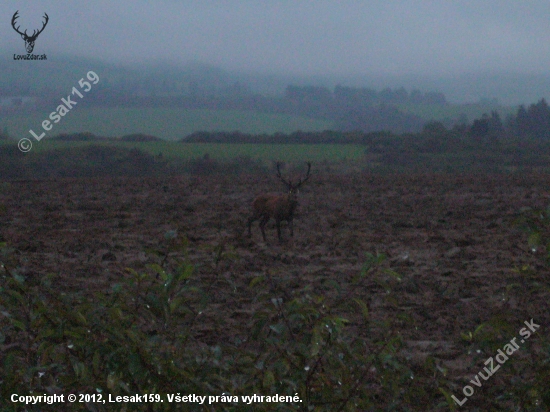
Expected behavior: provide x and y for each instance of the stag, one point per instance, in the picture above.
(278, 207)
(29, 40)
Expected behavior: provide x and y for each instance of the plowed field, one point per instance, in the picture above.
(451, 239)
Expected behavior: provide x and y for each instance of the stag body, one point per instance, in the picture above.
(278, 207)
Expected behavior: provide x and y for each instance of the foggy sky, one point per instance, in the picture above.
(344, 37)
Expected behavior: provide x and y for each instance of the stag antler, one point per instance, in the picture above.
(46, 20)
(289, 182)
(305, 178)
(13, 19)
(286, 182)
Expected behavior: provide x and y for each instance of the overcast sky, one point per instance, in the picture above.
(344, 37)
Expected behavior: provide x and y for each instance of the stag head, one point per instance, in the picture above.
(292, 188)
(29, 40)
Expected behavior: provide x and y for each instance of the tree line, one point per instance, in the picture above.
(532, 122)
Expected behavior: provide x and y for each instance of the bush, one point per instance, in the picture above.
(165, 330)
(91, 161)
(77, 137)
(145, 335)
(140, 137)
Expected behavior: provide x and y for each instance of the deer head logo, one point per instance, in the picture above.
(29, 40)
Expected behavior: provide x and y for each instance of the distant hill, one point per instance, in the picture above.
(57, 74)
(61, 72)
(508, 89)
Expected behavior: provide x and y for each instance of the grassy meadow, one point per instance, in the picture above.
(166, 123)
(175, 123)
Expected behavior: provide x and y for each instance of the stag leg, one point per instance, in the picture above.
(250, 221)
(263, 222)
(278, 223)
(291, 227)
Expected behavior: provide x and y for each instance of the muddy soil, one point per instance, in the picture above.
(451, 239)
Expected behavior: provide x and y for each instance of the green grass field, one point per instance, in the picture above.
(175, 123)
(166, 123)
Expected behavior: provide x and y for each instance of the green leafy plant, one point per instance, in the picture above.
(165, 330)
(143, 335)
(536, 223)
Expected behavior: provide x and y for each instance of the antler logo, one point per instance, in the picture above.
(29, 40)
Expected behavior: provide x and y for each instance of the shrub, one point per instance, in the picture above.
(140, 137)
(145, 335)
(77, 137)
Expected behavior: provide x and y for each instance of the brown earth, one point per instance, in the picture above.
(452, 240)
